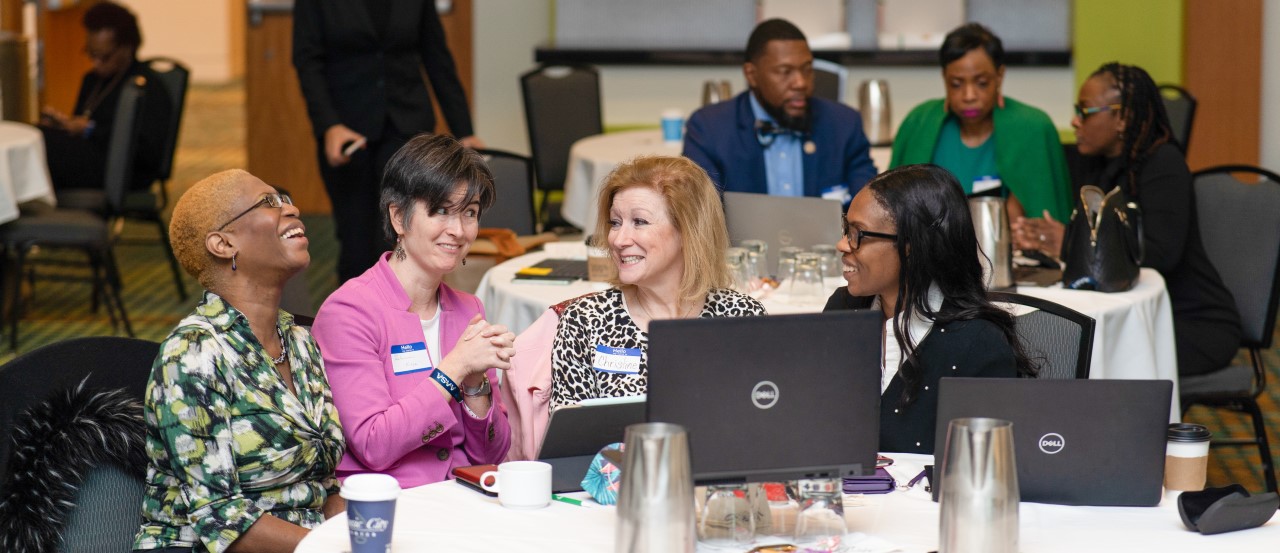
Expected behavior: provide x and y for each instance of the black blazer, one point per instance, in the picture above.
(354, 75)
(972, 348)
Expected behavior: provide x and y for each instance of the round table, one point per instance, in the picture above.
(24, 176)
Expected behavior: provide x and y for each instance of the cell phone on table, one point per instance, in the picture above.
(351, 147)
(470, 477)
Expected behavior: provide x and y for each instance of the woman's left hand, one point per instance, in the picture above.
(1038, 234)
(482, 346)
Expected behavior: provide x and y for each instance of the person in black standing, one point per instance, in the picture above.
(360, 64)
(76, 144)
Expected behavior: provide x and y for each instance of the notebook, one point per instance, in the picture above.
(770, 398)
(567, 270)
(576, 433)
(1076, 442)
(781, 221)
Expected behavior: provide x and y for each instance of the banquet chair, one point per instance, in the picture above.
(561, 106)
(1056, 338)
(81, 229)
(509, 227)
(1180, 105)
(829, 80)
(1240, 227)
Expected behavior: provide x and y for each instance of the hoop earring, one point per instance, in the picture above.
(233, 260)
(399, 253)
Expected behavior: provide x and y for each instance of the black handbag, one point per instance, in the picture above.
(1102, 249)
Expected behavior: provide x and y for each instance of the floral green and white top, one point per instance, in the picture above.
(228, 440)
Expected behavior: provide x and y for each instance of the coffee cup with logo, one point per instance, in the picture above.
(1186, 457)
(520, 484)
(371, 510)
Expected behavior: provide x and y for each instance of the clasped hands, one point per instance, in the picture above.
(482, 346)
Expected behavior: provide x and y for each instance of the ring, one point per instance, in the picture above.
(1043, 238)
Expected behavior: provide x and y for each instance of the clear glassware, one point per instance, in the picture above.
(831, 264)
(736, 259)
(755, 268)
(806, 286)
(727, 518)
(820, 526)
(761, 249)
(787, 263)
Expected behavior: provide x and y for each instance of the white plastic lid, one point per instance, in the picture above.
(672, 114)
(370, 487)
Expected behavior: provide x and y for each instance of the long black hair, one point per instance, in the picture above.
(1146, 122)
(937, 246)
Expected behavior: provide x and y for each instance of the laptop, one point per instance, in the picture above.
(575, 434)
(773, 398)
(1076, 442)
(781, 221)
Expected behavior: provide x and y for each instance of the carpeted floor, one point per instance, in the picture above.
(212, 139)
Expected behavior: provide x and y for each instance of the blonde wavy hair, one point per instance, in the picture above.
(204, 206)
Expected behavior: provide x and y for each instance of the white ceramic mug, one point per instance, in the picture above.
(520, 484)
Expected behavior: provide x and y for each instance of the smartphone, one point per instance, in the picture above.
(351, 147)
(470, 477)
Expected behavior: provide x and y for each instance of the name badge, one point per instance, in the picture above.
(837, 192)
(410, 358)
(616, 360)
(985, 183)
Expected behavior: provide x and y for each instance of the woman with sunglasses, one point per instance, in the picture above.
(1124, 136)
(910, 251)
(242, 431)
(413, 364)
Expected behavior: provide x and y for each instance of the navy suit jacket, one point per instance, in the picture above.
(722, 139)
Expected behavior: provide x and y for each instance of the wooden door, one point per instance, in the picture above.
(1223, 57)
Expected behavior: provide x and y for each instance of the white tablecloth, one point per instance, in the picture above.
(448, 517)
(24, 176)
(592, 158)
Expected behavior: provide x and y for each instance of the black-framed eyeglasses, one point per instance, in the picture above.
(273, 199)
(855, 236)
(1084, 112)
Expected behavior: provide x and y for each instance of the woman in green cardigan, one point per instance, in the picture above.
(995, 146)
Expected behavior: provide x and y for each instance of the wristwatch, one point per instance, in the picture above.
(482, 390)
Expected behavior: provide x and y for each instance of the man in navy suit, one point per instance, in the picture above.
(776, 138)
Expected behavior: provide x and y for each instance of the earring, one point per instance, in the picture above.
(464, 262)
(400, 255)
(233, 260)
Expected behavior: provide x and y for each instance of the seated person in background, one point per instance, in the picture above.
(994, 145)
(776, 138)
(241, 429)
(76, 144)
(661, 221)
(910, 251)
(1123, 134)
(413, 364)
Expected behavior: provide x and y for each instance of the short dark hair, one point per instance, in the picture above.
(968, 37)
(117, 19)
(772, 29)
(427, 169)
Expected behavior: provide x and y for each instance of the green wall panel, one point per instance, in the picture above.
(1146, 33)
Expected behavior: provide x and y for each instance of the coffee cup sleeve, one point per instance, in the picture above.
(1227, 509)
(604, 477)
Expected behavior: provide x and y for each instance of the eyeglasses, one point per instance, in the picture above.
(1083, 112)
(273, 199)
(855, 236)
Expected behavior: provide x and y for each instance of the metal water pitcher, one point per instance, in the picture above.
(995, 241)
(877, 118)
(655, 502)
(979, 495)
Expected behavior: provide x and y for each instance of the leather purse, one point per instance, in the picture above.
(1102, 248)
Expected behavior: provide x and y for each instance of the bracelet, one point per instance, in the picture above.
(447, 383)
(482, 390)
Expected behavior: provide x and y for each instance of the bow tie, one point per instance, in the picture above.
(766, 131)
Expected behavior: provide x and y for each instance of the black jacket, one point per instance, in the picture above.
(155, 109)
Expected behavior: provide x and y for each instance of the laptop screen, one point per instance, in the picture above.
(781, 221)
(770, 398)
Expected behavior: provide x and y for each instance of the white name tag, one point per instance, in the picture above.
(410, 358)
(837, 192)
(616, 360)
(985, 183)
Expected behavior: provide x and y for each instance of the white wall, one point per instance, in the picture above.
(1269, 143)
(196, 32)
(506, 33)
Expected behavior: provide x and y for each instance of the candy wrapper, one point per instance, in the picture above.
(604, 476)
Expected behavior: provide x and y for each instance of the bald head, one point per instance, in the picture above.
(205, 206)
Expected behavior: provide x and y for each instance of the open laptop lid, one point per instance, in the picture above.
(576, 433)
(1076, 442)
(770, 398)
(781, 221)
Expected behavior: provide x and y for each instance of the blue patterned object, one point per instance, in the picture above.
(604, 476)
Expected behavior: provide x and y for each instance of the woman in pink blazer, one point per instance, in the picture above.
(412, 363)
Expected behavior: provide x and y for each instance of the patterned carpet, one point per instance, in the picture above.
(212, 139)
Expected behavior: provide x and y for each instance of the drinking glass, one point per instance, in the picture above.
(820, 525)
(761, 249)
(736, 259)
(806, 286)
(831, 265)
(727, 518)
(787, 263)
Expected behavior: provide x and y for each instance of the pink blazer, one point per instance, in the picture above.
(401, 424)
(527, 390)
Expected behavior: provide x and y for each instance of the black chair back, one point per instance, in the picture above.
(561, 106)
(513, 181)
(829, 80)
(123, 142)
(1180, 105)
(1056, 338)
(175, 77)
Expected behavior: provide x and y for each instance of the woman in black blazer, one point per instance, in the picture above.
(909, 250)
(360, 65)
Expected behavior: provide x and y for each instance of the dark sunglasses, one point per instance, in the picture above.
(855, 236)
(273, 199)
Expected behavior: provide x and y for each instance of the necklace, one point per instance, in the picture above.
(283, 352)
(100, 93)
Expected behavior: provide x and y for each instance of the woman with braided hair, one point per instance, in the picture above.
(1124, 135)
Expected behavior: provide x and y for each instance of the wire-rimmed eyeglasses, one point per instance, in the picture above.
(272, 199)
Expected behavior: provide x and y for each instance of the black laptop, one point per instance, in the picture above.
(1076, 442)
(575, 434)
(770, 398)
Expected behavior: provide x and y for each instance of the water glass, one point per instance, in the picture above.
(787, 262)
(761, 249)
(820, 526)
(806, 286)
(728, 519)
(736, 259)
(831, 264)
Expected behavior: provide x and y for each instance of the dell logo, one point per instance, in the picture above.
(765, 394)
(1052, 443)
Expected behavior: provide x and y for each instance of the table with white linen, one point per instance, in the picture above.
(445, 516)
(24, 176)
(592, 158)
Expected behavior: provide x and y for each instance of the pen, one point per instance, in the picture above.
(569, 500)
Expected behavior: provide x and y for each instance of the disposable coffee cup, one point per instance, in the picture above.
(672, 126)
(599, 265)
(520, 484)
(371, 510)
(1186, 458)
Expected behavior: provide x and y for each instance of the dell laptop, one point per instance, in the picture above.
(781, 221)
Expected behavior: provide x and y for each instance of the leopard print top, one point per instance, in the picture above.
(601, 320)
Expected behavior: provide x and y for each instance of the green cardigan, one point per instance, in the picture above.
(1028, 153)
